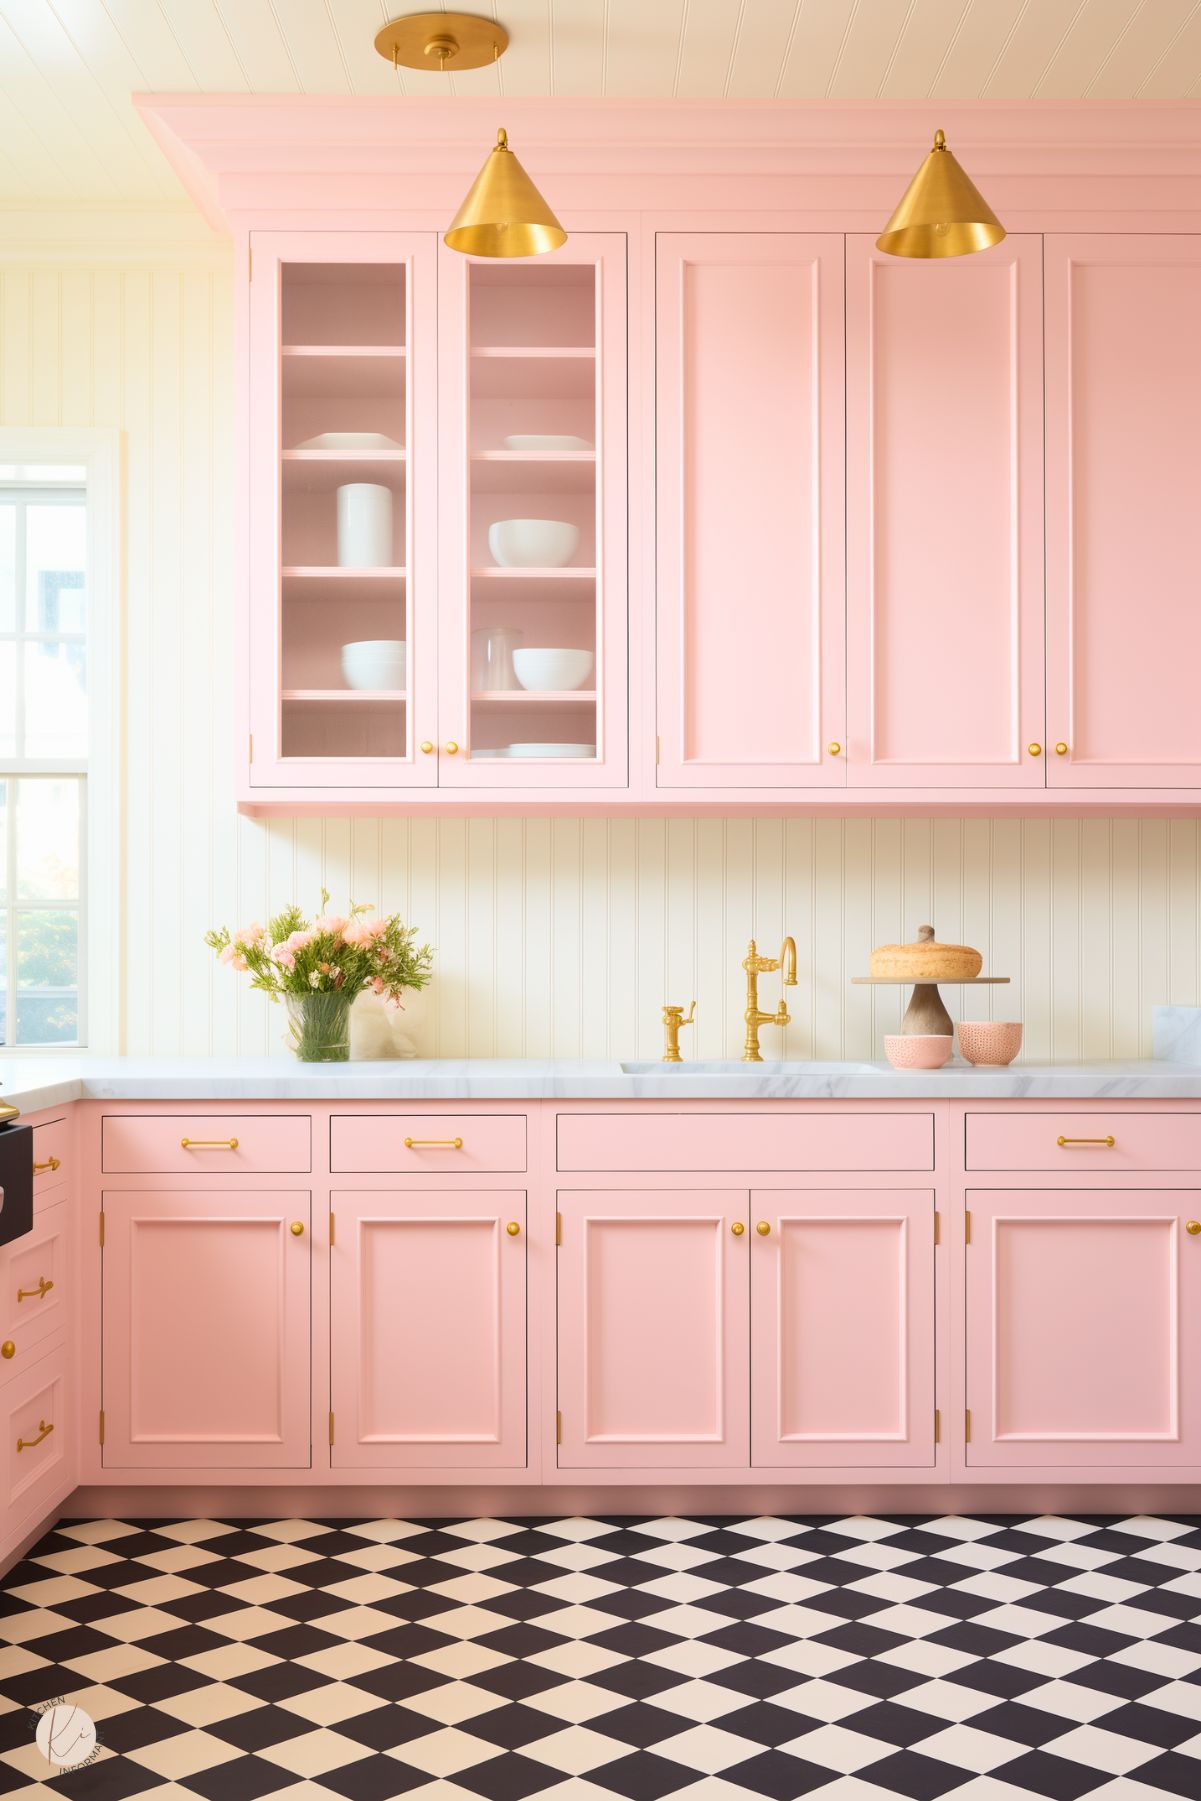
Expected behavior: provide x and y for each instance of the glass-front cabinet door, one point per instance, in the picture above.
(532, 554)
(343, 491)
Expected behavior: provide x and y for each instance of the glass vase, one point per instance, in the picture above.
(319, 1026)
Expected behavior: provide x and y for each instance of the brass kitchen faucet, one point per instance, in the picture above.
(755, 966)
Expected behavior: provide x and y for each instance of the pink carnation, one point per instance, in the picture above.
(251, 935)
(333, 923)
(233, 957)
(377, 986)
(365, 930)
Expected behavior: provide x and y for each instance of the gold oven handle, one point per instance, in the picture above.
(44, 1431)
(35, 1294)
(450, 1144)
(1063, 1142)
(208, 1144)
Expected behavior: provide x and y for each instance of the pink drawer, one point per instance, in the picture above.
(766, 1141)
(206, 1144)
(1080, 1141)
(51, 1155)
(35, 1287)
(35, 1437)
(426, 1144)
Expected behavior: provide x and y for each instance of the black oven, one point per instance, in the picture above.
(16, 1181)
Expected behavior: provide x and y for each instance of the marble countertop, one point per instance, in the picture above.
(37, 1083)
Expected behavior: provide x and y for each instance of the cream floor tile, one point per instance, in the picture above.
(332, 1703)
(343, 1661)
(244, 1623)
(484, 1531)
(184, 1755)
(948, 1700)
(154, 1591)
(111, 1665)
(454, 1702)
(472, 1589)
(313, 1753)
(261, 1591)
(290, 1532)
(578, 1587)
(690, 1658)
(580, 1530)
(100, 1702)
(700, 1701)
(1070, 1701)
(275, 1559)
(190, 1532)
(379, 1557)
(575, 1701)
(48, 1591)
(678, 1586)
(578, 1659)
(445, 1752)
(1112, 1752)
(473, 1622)
(76, 1561)
(575, 1556)
(475, 1557)
(828, 1700)
(227, 1661)
(137, 1624)
(836, 1748)
(925, 1659)
(201, 1706)
(808, 1658)
(969, 1748)
(576, 1750)
(174, 1560)
(15, 1660)
(788, 1586)
(358, 1622)
(368, 1588)
(710, 1749)
(94, 1532)
(386, 1532)
(462, 1660)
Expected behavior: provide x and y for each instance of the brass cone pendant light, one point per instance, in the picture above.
(942, 212)
(504, 214)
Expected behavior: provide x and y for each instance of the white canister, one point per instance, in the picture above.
(364, 526)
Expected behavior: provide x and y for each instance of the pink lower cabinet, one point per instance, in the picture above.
(427, 1325)
(206, 1329)
(842, 1328)
(1084, 1329)
(653, 1329)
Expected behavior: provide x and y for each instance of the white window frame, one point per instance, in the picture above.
(101, 950)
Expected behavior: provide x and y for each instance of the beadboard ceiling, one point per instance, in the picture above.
(67, 67)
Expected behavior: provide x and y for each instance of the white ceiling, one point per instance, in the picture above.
(68, 67)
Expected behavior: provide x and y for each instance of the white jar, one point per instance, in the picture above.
(364, 526)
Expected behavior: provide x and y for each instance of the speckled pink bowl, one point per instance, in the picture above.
(990, 1041)
(918, 1050)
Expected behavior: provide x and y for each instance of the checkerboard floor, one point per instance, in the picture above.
(715, 1658)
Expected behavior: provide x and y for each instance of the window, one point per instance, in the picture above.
(44, 746)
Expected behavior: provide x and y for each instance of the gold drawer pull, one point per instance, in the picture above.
(763, 1228)
(8, 1349)
(738, 1228)
(297, 1228)
(44, 1431)
(35, 1294)
(1193, 1227)
(513, 1229)
(450, 1144)
(1063, 1142)
(208, 1144)
(50, 1163)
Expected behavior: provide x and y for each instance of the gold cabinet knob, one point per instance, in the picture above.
(738, 1228)
(296, 1229)
(426, 747)
(1061, 749)
(1193, 1227)
(513, 1229)
(835, 748)
(8, 1348)
(763, 1228)
(1036, 750)
(451, 747)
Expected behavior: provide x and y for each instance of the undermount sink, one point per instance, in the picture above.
(753, 1072)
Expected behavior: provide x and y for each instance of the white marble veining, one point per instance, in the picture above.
(35, 1083)
(1176, 1034)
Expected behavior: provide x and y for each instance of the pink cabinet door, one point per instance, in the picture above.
(945, 518)
(206, 1330)
(1123, 476)
(341, 521)
(749, 377)
(532, 427)
(842, 1328)
(653, 1329)
(427, 1329)
(1084, 1328)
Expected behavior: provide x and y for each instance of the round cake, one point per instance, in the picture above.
(926, 961)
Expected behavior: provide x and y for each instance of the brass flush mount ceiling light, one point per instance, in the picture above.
(941, 213)
(504, 214)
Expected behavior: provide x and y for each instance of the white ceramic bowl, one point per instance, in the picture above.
(552, 671)
(533, 543)
(552, 750)
(545, 443)
(375, 663)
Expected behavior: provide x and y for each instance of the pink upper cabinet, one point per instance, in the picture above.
(532, 522)
(749, 348)
(944, 518)
(1123, 519)
(341, 524)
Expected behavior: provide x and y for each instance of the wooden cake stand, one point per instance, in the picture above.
(925, 1012)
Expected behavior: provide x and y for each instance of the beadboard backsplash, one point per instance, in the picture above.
(553, 937)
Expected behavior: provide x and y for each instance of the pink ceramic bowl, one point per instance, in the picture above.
(990, 1041)
(917, 1050)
